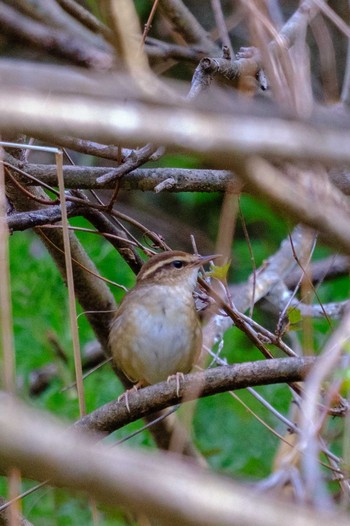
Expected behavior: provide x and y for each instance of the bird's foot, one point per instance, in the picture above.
(124, 397)
(177, 377)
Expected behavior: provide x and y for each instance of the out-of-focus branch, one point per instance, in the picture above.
(52, 40)
(319, 271)
(126, 35)
(340, 177)
(242, 73)
(50, 13)
(126, 39)
(321, 206)
(48, 79)
(276, 268)
(306, 11)
(221, 26)
(86, 18)
(334, 311)
(187, 25)
(217, 136)
(312, 418)
(232, 71)
(345, 92)
(159, 49)
(279, 300)
(151, 484)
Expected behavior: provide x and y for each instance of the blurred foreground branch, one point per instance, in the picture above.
(217, 136)
(154, 484)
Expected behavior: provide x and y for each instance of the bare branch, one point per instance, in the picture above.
(146, 401)
(34, 218)
(103, 151)
(269, 275)
(145, 179)
(302, 16)
(135, 160)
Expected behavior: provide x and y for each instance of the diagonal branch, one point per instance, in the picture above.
(187, 25)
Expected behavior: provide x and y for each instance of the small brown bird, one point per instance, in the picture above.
(156, 332)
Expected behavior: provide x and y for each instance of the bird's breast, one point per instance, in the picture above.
(157, 336)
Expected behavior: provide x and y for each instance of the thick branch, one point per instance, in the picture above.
(144, 179)
(148, 179)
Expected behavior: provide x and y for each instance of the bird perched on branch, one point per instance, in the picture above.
(156, 331)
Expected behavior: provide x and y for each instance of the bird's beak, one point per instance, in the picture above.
(205, 259)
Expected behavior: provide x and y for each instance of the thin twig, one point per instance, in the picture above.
(70, 284)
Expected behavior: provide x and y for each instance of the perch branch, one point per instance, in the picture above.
(146, 401)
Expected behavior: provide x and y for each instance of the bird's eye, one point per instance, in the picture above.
(178, 264)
